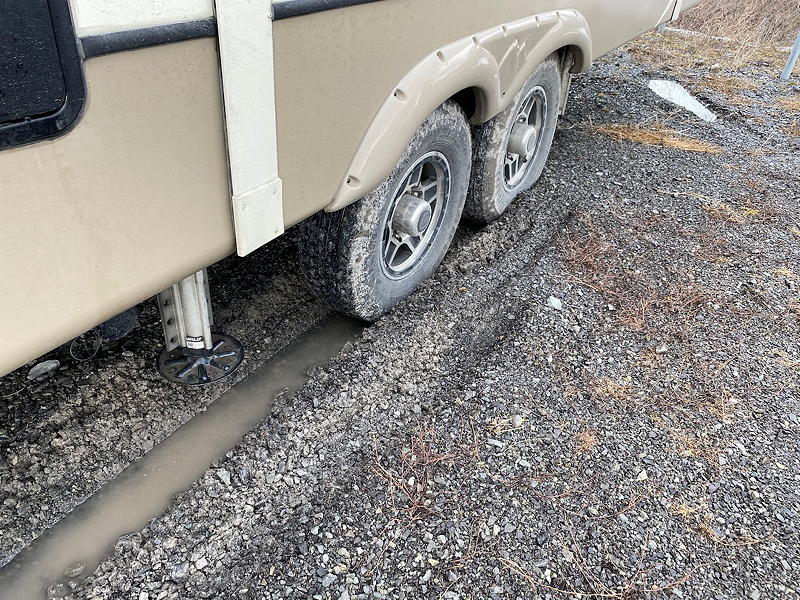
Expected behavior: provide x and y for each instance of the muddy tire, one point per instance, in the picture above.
(366, 258)
(510, 151)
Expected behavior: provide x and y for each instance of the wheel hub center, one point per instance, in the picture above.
(412, 216)
(522, 140)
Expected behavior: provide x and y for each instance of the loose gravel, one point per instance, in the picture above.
(596, 395)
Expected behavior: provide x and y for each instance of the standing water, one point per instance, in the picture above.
(77, 544)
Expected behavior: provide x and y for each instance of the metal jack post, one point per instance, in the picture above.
(194, 356)
(793, 56)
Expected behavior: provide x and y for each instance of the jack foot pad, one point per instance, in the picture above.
(201, 367)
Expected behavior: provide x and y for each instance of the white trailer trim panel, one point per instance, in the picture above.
(248, 83)
(97, 17)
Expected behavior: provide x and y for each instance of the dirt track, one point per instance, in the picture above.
(478, 442)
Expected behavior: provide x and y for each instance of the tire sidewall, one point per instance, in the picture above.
(493, 198)
(446, 131)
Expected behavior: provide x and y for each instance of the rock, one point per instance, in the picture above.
(201, 563)
(244, 475)
(642, 475)
(224, 476)
(75, 569)
(43, 369)
(57, 590)
(328, 580)
(495, 443)
(179, 573)
(555, 303)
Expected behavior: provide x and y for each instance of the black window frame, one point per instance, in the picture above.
(59, 122)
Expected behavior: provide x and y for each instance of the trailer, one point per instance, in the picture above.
(142, 141)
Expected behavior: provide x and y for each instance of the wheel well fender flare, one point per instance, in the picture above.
(494, 63)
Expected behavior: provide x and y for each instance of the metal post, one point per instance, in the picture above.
(194, 355)
(795, 54)
(196, 322)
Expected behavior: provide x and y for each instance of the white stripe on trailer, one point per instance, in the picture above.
(96, 17)
(248, 82)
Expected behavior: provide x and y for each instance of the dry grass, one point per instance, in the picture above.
(785, 273)
(585, 441)
(682, 52)
(792, 103)
(727, 84)
(606, 389)
(750, 211)
(735, 90)
(722, 211)
(711, 248)
(498, 426)
(410, 489)
(785, 360)
(690, 444)
(656, 135)
(772, 22)
(701, 520)
(732, 88)
(793, 129)
(594, 584)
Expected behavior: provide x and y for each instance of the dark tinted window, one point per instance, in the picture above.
(31, 80)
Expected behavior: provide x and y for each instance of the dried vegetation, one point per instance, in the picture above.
(756, 22)
(656, 135)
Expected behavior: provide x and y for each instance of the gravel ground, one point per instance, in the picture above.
(595, 395)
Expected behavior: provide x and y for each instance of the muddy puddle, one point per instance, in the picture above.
(78, 543)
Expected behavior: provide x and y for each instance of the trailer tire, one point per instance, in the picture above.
(366, 258)
(495, 184)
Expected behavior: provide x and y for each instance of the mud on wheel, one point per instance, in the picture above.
(365, 259)
(510, 151)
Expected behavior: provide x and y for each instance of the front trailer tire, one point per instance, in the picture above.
(495, 183)
(355, 260)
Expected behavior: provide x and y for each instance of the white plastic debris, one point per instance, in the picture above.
(677, 94)
(42, 369)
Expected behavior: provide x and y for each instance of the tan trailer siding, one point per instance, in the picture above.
(137, 195)
(134, 198)
(334, 70)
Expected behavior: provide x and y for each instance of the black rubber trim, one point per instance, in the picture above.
(98, 45)
(296, 8)
(62, 120)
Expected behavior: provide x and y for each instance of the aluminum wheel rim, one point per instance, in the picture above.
(427, 179)
(532, 112)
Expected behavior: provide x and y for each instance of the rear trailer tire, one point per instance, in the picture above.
(366, 258)
(510, 150)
